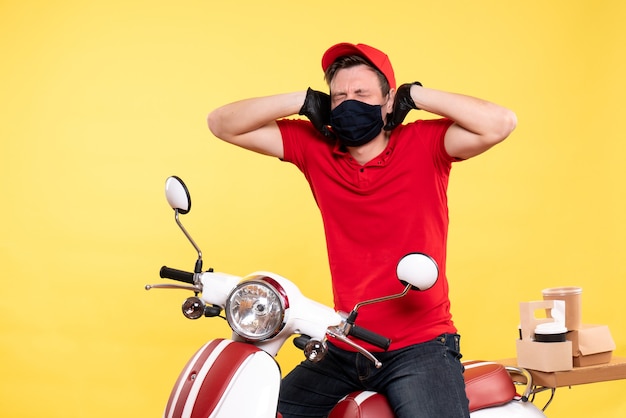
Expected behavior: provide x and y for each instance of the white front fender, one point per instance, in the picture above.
(226, 379)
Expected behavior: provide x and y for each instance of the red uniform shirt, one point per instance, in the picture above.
(375, 214)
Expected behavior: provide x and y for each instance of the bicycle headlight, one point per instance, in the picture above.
(255, 309)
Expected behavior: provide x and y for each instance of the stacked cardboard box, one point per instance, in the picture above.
(591, 345)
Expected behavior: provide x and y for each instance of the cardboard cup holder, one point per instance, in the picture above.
(543, 356)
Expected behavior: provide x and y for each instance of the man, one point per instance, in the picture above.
(381, 187)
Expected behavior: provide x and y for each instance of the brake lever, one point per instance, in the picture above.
(338, 333)
(194, 288)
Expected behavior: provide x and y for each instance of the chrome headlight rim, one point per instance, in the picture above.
(278, 321)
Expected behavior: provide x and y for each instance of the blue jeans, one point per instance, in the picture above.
(420, 381)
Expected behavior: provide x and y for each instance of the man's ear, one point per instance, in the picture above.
(392, 97)
(388, 107)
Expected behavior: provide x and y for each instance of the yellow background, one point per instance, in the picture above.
(101, 100)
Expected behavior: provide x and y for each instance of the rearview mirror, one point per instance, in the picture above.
(419, 270)
(177, 195)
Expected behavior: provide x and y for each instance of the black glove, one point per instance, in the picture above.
(316, 107)
(402, 104)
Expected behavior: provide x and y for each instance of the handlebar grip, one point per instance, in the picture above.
(370, 337)
(174, 274)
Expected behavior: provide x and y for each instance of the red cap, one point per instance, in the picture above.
(373, 55)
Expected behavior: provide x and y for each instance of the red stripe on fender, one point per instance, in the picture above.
(219, 376)
(182, 388)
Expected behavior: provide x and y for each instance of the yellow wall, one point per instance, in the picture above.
(101, 100)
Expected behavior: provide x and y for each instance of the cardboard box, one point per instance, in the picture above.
(591, 345)
(546, 357)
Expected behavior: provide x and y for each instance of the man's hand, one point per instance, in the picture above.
(402, 104)
(316, 107)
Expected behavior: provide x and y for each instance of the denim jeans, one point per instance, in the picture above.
(420, 381)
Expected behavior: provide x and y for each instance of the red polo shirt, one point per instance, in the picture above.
(375, 214)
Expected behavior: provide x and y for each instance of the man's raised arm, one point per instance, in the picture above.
(251, 123)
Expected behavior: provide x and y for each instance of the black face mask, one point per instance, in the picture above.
(356, 123)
